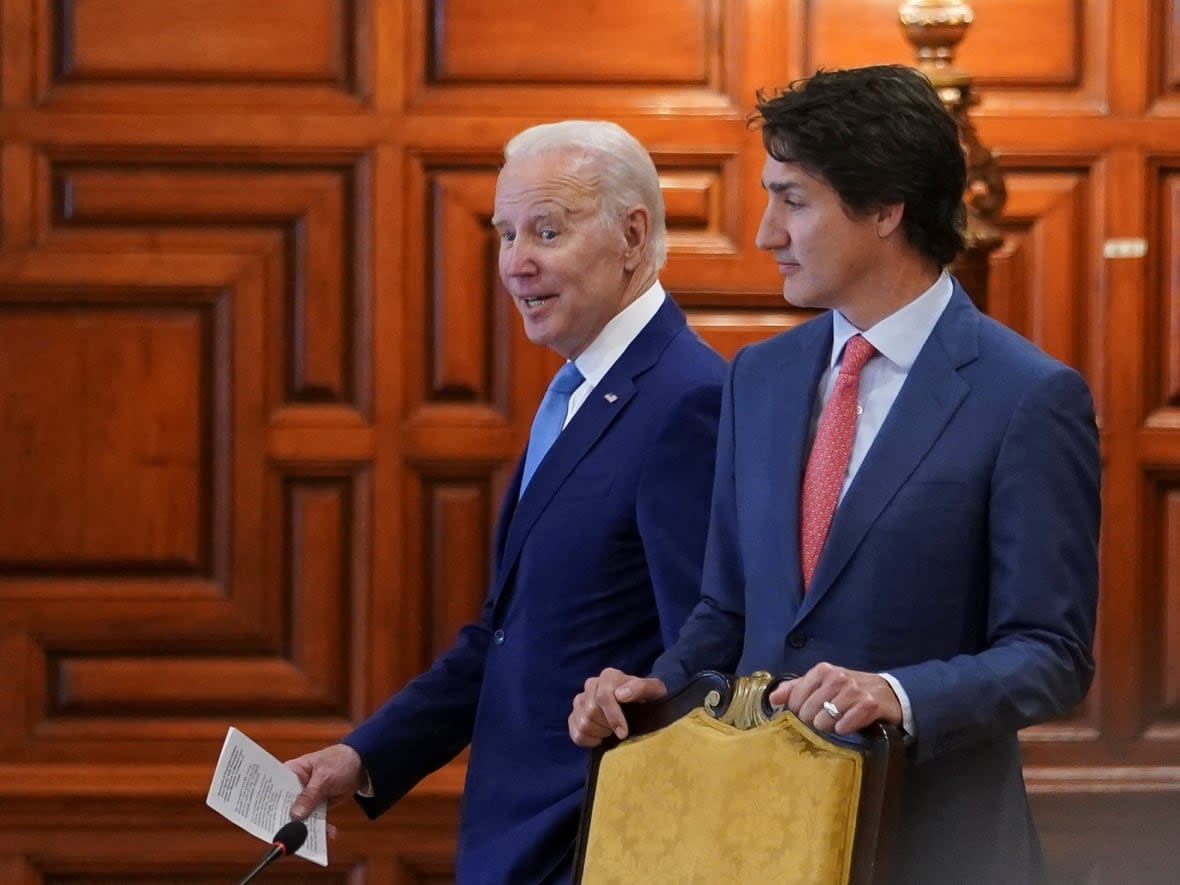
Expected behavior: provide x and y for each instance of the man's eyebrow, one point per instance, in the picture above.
(539, 215)
(778, 187)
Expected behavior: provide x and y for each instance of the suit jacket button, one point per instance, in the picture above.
(797, 639)
(498, 637)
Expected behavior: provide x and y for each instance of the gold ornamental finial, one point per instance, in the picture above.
(935, 28)
(745, 706)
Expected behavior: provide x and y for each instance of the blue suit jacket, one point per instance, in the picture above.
(597, 566)
(963, 560)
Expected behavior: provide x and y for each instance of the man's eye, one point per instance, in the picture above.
(507, 236)
(548, 235)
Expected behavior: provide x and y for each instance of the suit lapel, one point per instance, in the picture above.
(929, 397)
(589, 423)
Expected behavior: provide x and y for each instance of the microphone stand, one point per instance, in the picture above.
(287, 840)
(274, 854)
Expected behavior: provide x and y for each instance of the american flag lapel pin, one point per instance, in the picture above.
(610, 397)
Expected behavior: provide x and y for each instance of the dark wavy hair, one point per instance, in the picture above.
(878, 135)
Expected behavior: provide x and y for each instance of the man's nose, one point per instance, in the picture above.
(516, 260)
(770, 235)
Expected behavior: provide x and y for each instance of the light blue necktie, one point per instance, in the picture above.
(549, 419)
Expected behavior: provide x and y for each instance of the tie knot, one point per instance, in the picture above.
(566, 380)
(857, 352)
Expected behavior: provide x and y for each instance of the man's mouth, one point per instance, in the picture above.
(535, 300)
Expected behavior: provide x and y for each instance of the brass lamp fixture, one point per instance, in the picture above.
(935, 28)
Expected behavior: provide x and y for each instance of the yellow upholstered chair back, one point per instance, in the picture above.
(730, 792)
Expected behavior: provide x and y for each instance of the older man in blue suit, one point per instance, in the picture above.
(600, 541)
(906, 504)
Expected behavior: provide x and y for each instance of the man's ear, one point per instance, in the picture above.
(888, 218)
(636, 230)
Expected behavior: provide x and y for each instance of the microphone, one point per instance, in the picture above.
(287, 840)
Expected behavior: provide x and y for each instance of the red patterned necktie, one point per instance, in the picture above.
(829, 454)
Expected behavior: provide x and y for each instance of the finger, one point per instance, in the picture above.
(828, 716)
(854, 702)
(860, 707)
(299, 767)
(810, 703)
(586, 723)
(801, 692)
(591, 713)
(611, 711)
(602, 702)
(305, 802)
(320, 789)
(585, 732)
(781, 694)
(633, 691)
(853, 720)
(636, 690)
(825, 703)
(823, 682)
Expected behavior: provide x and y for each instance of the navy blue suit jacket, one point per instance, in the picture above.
(597, 566)
(963, 560)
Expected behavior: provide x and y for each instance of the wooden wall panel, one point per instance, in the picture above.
(1157, 736)
(1039, 272)
(468, 317)
(85, 387)
(697, 199)
(458, 509)
(124, 356)
(161, 40)
(710, 241)
(460, 54)
(469, 46)
(729, 331)
(1161, 688)
(1163, 367)
(1168, 36)
(309, 208)
(326, 520)
(220, 296)
(261, 390)
(143, 53)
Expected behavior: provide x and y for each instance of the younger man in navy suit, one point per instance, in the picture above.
(906, 501)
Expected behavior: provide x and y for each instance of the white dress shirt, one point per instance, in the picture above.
(616, 336)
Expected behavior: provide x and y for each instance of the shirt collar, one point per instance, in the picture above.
(595, 361)
(900, 336)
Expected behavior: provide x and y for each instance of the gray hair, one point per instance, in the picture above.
(624, 166)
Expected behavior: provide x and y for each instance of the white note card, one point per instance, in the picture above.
(253, 789)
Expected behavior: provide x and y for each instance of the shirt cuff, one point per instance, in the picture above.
(366, 788)
(907, 712)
